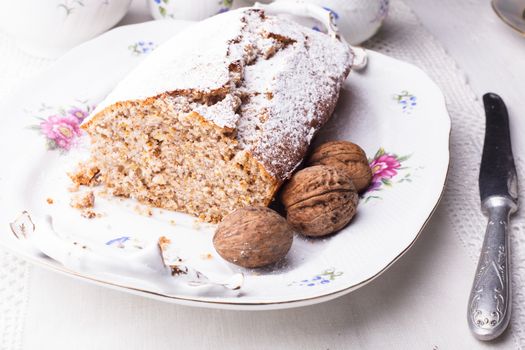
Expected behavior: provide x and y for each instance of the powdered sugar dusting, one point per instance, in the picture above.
(292, 93)
(193, 59)
(222, 113)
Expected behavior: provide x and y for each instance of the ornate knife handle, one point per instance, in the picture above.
(490, 297)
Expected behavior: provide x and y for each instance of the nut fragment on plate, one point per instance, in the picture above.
(320, 200)
(83, 200)
(345, 155)
(253, 237)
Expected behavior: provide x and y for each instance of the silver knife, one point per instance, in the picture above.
(490, 297)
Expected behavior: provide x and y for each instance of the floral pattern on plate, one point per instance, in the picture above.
(61, 126)
(125, 242)
(325, 277)
(142, 47)
(386, 169)
(162, 8)
(225, 5)
(406, 100)
(70, 5)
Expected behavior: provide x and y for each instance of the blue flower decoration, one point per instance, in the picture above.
(118, 242)
(325, 277)
(406, 100)
(142, 47)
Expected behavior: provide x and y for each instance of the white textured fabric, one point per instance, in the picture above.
(402, 37)
(15, 67)
(13, 299)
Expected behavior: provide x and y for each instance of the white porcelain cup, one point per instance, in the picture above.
(48, 28)
(357, 20)
(191, 10)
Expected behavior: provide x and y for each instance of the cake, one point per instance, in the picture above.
(217, 117)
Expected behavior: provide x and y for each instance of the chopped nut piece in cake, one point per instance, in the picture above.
(83, 200)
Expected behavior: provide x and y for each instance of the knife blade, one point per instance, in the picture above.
(490, 297)
(497, 174)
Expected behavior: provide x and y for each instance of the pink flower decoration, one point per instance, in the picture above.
(78, 113)
(61, 130)
(383, 167)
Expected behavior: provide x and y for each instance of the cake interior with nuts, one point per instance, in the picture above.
(218, 117)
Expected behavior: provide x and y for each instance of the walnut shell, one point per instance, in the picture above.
(320, 200)
(345, 155)
(253, 237)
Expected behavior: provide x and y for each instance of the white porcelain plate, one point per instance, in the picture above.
(392, 109)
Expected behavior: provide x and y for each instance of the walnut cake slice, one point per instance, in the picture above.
(219, 116)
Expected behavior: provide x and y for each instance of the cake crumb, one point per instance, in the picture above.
(90, 214)
(163, 243)
(172, 222)
(85, 175)
(83, 200)
(206, 256)
(50, 201)
(163, 240)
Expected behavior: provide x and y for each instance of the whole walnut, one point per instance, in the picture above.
(345, 155)
(253, 237)
(320, 200)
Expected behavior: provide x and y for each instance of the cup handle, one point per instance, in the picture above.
(303, 9)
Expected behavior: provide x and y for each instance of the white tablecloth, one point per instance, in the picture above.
(420, 303)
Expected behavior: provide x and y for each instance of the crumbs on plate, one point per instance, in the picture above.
(142, 210)
(83, 200)
(90, 214)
